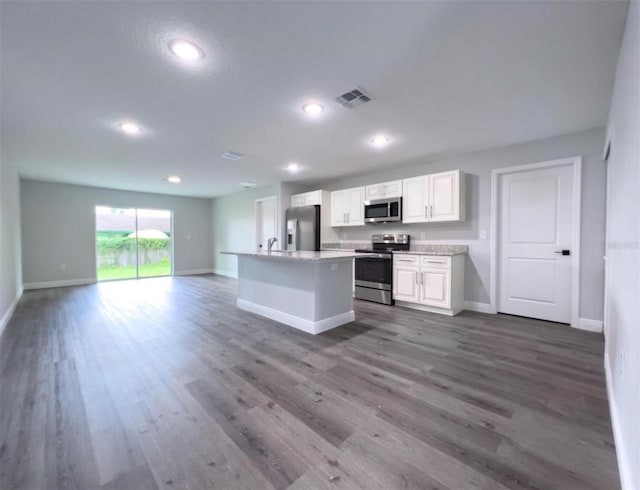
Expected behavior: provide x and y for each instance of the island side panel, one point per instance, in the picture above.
(309, 295)
(334, 299)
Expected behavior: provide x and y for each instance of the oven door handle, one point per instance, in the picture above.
(374, 256)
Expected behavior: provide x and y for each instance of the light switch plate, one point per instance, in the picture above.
(483, 234)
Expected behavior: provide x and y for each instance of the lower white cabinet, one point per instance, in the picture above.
(429, 282)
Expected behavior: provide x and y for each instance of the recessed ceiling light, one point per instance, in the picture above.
(313, 108)
(247, 185)
(174, 179)
(293, 167)
(185, 50)
(130, 127)
(380, 141)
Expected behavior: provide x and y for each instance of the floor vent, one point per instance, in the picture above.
(354, 98)
(233, 155)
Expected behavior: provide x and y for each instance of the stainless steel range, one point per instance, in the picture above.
(374, 273)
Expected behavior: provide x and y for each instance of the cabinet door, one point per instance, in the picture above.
(392, 189)
(373, 192)
(339, 205)
(355, 210)
(435, 287)
(444, 196)
(405, 284)
(414, 199)
(312, 198)
(297, 200)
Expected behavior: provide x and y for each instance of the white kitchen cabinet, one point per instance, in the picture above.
(429, 282)
(384, 190)
(347, 207)
(306, 199)
(434, 197)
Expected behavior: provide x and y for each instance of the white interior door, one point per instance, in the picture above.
(535, 225)
(266, 221)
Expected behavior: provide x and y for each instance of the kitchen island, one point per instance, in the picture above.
(310, 291)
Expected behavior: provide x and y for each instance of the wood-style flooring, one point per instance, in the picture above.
(164, 383)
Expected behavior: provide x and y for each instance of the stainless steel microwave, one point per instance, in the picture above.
(383, 210)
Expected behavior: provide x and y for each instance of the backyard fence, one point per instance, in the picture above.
(121, 251)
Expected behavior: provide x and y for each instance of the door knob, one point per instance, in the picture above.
(563, 252)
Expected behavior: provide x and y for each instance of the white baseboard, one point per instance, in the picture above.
(590, 325)
(624, 466)
(4, 321)
(303, 324)
(479, 307)
(222, 272)
(59, 284)
(192, 272)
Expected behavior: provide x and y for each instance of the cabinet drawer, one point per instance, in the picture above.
(404, 260)
(436, 261)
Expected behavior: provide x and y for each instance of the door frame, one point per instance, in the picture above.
(606, 154)
(258, 203)
(494, 244)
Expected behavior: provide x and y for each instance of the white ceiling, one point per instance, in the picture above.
(447, 77)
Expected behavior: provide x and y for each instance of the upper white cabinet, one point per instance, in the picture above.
(306, 199)
(347, 207)
(384, 190)
(434, 197)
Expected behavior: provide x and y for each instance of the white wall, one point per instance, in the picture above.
(234, 225)
(10, 268)
(478, 167)
(58, 227)
(623, 254)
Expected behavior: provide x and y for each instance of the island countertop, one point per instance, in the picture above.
(301, 255)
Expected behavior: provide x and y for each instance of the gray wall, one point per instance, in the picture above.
(10, 269)
(234, 225)
(478, 166)
(58, 227)
(622, 331)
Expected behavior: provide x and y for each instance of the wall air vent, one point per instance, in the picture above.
(233, 155)
(354, 98)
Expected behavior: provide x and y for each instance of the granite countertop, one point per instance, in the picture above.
(300, 256)
(417, 249)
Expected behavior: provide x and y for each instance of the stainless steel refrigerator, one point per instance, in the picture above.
(303, 228)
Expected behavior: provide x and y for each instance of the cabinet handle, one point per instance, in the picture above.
(344, 217)
(421, 278)
(348, 217)
(404, 260)
(435, 261)
(416, 277)
(431, 211)
(426, 211)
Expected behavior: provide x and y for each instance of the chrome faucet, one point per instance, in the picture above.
(270, 243)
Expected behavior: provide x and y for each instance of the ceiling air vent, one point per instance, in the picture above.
(354, 98)
(233, 155)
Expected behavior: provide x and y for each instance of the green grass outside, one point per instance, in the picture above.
(128, 272)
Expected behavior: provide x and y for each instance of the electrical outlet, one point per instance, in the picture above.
(334, 267)
(63, 267)
(483, 234)
(423, 235)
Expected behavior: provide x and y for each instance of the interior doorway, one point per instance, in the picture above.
(267, 222)
(133, 243)
(536, 240)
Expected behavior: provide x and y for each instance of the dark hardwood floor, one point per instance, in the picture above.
(164, 383)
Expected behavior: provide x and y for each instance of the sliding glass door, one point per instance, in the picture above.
(132, 243)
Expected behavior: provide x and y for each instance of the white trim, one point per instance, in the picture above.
(303, 324)
(624, 464)
(4, 321)
(59, 284)
(478, 307)
(222, 272)
(576, 163)
(590, 325)
(192, 272)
